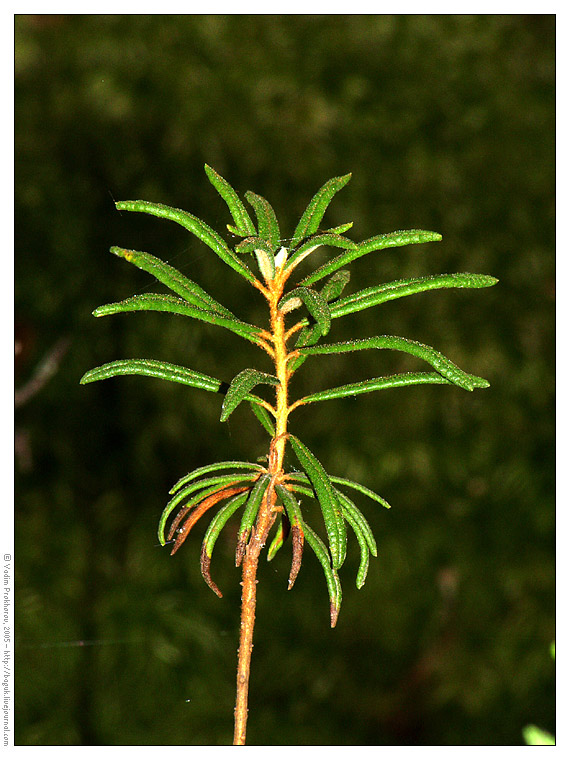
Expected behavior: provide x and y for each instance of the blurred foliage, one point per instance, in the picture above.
(447, 123)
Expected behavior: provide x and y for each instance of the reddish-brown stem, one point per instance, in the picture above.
(268, 510)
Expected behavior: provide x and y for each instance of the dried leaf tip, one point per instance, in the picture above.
(205, 560)
(334, 614)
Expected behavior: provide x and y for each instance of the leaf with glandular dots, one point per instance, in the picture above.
(315, 211)
(332, 514)
(240, 387)
(244, 225)
(267, 224)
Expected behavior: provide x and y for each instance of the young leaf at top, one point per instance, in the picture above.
(316, 305)
(240, 387)
(309, 222)
(263, 252)
(267, 224)
(244, 225)
(334, 286)
(341, 229)
(304, 250)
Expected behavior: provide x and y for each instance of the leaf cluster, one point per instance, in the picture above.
(248, 484)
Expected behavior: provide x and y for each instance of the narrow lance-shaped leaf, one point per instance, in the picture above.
(301, 476)
(348, 506)
(389, 291)
(362, 489)
(244, 225)
(327, 498)
(250, 514)
(334, 286)
(152, 368)
(341, 229)
(228, 465)
(377, 243)
(376, 384)
(240, 387)
(362, 542)
(329, 238)
(173, 279)
(316, 305)
(264, 418)
(279, 538)
(358, 522)
(201, 489)
(438, 361)
(199, 228)
(263, 253)
(211, 536)
(311, 219)
(267, 224)
(173, 305)
(331, 576)
(293, 511)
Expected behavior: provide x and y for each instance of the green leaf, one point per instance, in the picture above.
(316, 305)
(329, 238)
(327, 498)
(377, 243)
(341, 229)
(264, 417)
(277, 542)
(364, 548)
(249, 515)
(240, 386)
(211, 536)
(267, 224)
(438, 361)
(228, 465)
(244, 225)
(536, 736)
(376, 384)
(350, 508)
(362, 489)
(199, 228)
(152, 368)
(334, 286)
(309, 222)
(333, 582)
(173, 279)
(173, 305)
(389, 291)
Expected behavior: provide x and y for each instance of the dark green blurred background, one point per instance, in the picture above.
(447, 123)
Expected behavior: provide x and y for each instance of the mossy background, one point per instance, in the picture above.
(447, 123)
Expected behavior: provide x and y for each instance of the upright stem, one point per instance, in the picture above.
(267, 512)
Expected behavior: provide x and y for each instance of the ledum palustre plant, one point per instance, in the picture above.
(265, 496)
